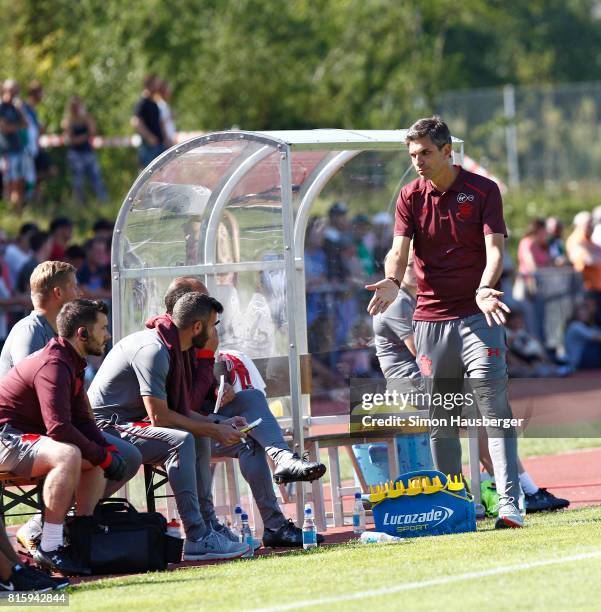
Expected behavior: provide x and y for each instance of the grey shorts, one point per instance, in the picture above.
(18, 451)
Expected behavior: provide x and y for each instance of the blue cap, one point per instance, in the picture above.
(308, 510)
(357, 495)
(237, 510)
(244, 516)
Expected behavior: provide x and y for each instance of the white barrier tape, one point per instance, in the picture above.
(58, 140)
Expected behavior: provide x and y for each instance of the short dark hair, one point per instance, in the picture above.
(193, 307)
(75, 251)
(28, 228)
(149, 80)
(59, 222)
(34, 87)
(78, 313)
(434, 127)
(180, 286)
(103, 224)
(38, 240)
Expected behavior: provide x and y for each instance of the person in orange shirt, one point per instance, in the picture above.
(584, 254)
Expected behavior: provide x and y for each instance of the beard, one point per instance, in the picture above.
(200, 339)
(97, 350)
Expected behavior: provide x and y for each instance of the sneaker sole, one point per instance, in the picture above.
(59, 586)
(504, 522)
(41, 590)
(214, 556)
(53, 568)
(310, 476)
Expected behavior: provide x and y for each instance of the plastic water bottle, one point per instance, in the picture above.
(247, 536)
(522, 502)
(237, 522)
(309, 529)
(358, 515)
(174, 529)
(378, 537)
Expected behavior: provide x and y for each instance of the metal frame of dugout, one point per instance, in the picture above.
(188, 168)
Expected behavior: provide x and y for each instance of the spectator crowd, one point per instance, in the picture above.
(25, 166)
(33, 245)
(343, 253)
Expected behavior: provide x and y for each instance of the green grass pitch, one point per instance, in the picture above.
(558, 554)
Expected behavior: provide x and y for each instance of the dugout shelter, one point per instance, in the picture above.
(233, 207)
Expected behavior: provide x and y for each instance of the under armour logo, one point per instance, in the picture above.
(463, 197)
(494, 352)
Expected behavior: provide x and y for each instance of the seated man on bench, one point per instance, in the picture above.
(48, 429)
(53, 284)
(145, 391)
(266, 440)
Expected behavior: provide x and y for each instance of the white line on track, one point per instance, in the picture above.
(408, 586)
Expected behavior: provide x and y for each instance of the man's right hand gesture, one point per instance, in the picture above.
(386, 292)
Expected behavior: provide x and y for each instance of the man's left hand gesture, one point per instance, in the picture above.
(489, 303)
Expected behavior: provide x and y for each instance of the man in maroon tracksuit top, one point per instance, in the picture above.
(48, 428)
(455, 219)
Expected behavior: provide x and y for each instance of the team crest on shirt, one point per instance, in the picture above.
(465, 209)
(425, 365)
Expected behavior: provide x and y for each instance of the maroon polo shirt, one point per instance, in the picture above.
(44, 394)
(448, 232)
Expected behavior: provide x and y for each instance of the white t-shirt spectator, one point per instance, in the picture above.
(14, 258)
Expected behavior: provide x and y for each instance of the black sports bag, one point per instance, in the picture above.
(118, 539)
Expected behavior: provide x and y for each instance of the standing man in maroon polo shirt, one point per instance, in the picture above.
(456, 221)
(49, 429)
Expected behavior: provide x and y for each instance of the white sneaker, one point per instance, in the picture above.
(213, 546)
(509, 516)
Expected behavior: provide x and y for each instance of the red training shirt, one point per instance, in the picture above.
(448, 232)
(44, 394)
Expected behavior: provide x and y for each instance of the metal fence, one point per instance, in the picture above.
(530, 134)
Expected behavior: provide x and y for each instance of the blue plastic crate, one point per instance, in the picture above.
(414, 514)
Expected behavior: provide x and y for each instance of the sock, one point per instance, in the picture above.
(277, 455)
(527, 483)
(52, 536)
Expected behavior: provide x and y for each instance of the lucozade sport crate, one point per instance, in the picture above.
(424, 502)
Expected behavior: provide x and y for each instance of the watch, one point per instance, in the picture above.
(395, 280)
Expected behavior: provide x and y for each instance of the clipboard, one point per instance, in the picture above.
(220, 392)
